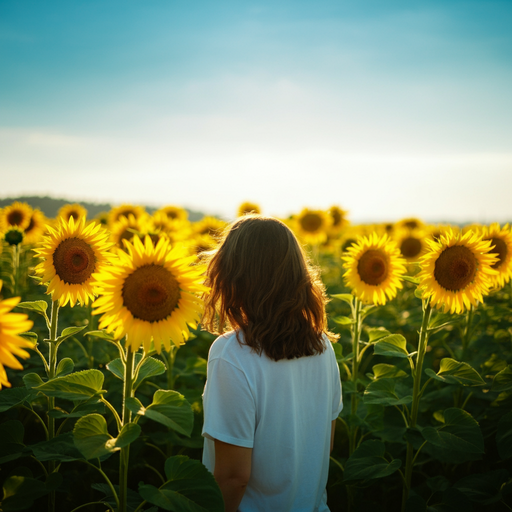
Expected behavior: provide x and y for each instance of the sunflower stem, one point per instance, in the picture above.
(126, 417)
(466, 338)
(354, 399)
(52, 365)
(16, 267)
(422, 348)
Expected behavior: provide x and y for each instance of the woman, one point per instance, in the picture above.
(273, 389)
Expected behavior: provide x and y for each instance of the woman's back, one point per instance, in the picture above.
(283, 411)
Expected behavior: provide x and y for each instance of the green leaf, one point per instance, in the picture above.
(10, 397)
(61, 448)
(343, 320)
(20, 492)
(32, 380)
(377, 333)
(116, 366)
(151, 367)
(93, 440)
(504, 436)
(190, 487)
(345, 297)
(393, 345)
(455, 372)
(368, 463)
(194, 366)
(101, 334)
(39, 306)
(77, 386)
(11, 434)
(483, 488)
(82, 409)
(65, 367)
(458, 440)
(29, 336)
(387, 371)
(413, 280)
(382, 391)
(168, 408)
(503, 380)
(68, 332)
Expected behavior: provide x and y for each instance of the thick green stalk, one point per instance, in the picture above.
(52, 367)
(466, 338)
(354, 399)
(416, 396)
(16, 265)
(126, 418)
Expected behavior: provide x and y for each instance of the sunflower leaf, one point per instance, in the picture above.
(368, 462)
(39, 306)
(190, 486)
(343, 320)
(92, 439)
(68, 332)
(345, 297)
(65, 367)
(32, 380)
(102, 335)
(503, 380)
(11, 397)
(504, 436)
(149, 368)
(382, 392)
(29, 336)
(61, 448)
(458, 440)
(168, 408)
(455, 372)
(392, 345)
(11, 434)
(387, 371)
(21, 491)
(410, 279)
(77, 386)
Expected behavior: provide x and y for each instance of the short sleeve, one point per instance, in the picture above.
(337, 400)
(228, 404)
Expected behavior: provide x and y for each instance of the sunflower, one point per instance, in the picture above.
(174, 213)
(14, 235)
(312, 225)
(17, 214)
(339, 219)
(209, 226)
(102, 218)
(125, 210)
(36, 227)
(71, 253)
(501, 240)
(412, 243)
(248, 207)
(374, 269)
(411, 224)
(77, 211)
(127, 227)
(148, 294)
(202, 243)
(11, 325)
(457, 271)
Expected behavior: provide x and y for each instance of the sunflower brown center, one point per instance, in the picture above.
(410, 247)
(74, 214)
(373, 267)
(455, 268)
(501, 249)
(74, 261)
(172, 215)
(311, 222)
(151, 293)
(336, 217)
(411, 224)
(15, 218)
(31, 225)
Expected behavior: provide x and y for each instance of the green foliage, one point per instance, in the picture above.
(77, 386)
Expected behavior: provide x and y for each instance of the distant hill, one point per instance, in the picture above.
(50, 206)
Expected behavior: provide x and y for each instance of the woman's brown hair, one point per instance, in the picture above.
(263, 285)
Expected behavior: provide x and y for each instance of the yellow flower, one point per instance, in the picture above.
(501, 240)
(125, 210)
(457, 271)
(76, 211)
(71, 253)
(248, 207)
(209, 226)
(148, 294)
(36, 227)
(410, 224)
(339, 219)
(374, 269)
(127, 227)
(13, 235)
(11, 325)
(174, 213)
(17, 214)
(312, 226)
(412, 243)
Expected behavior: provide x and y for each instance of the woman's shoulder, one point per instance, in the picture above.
(224, 346)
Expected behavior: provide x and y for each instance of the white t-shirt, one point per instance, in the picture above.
(282, 410)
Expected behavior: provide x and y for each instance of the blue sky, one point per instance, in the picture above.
(386, 108)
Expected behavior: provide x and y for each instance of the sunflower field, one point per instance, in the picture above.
(103, 360)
